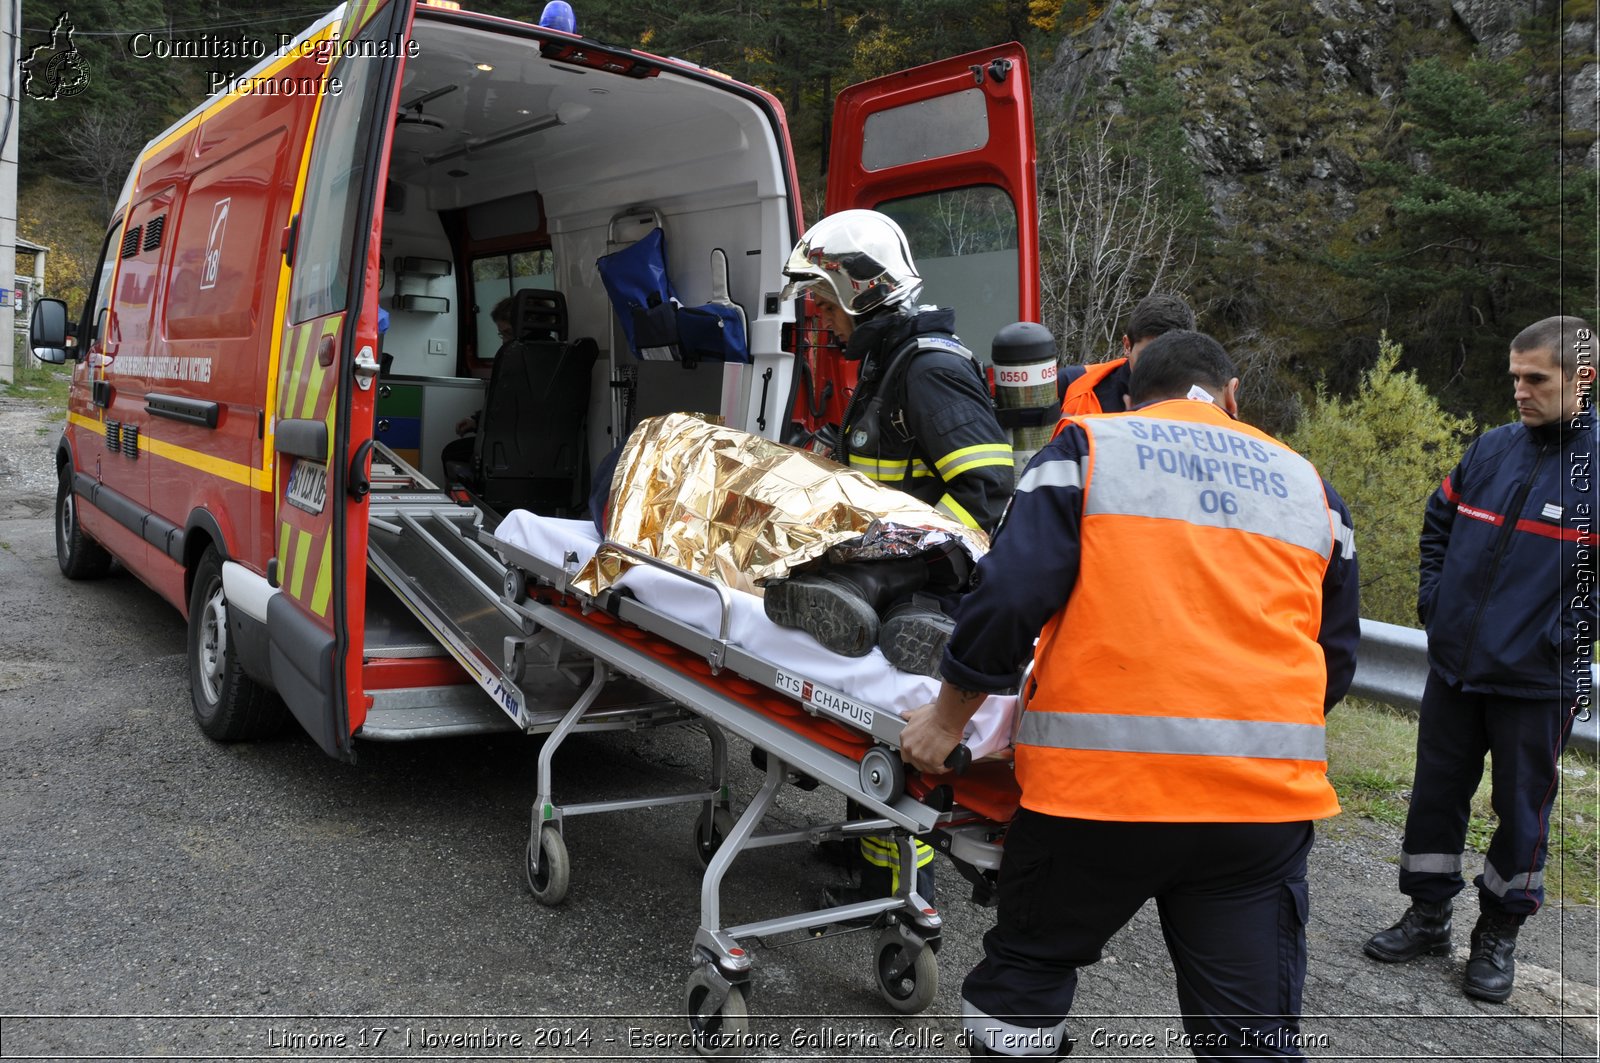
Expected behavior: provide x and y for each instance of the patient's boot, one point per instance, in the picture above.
(839, 606)
(913, 635)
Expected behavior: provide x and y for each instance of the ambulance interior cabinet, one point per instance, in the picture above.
(416, 416)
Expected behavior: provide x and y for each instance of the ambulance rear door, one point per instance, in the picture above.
(327, 365)
(947, 151)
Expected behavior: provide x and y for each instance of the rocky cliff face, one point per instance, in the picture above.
(1287, 98)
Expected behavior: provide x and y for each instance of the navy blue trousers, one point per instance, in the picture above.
(1232, 899)
(1524, 740)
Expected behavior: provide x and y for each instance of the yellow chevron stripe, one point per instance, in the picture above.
(323, 589)
(280, 309)
(283, 550)
(302, 552)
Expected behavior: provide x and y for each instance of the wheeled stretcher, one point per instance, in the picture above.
(813, 714)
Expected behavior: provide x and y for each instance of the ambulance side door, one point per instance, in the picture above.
(327, 365)
(947, 151)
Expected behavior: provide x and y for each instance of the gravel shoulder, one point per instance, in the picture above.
(288, 900)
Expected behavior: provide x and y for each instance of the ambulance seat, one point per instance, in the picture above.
(530, 443)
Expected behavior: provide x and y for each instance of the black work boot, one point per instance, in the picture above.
(1492, 967)
(1424, 929)
(839, 606)
(914, 633)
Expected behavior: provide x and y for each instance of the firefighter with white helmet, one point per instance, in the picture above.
(920, 420)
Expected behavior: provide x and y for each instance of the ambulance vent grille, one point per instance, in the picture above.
(113, 435)
(130, 440)
(130, 242)
(152, 232)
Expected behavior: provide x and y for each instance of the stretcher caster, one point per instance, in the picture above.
(515, 586)
(883, 774)
(549, 871)
(710, 831)
(516, 659)
(907, 971)
(719, 1018)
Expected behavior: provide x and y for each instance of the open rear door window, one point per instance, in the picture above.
(947, 151)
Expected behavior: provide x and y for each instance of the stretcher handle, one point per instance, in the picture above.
(960, 759)
(723, 597)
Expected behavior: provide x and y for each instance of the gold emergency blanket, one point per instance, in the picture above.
(742, 510)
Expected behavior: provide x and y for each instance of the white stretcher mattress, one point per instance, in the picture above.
(870, 679)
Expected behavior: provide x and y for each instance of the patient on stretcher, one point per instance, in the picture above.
(832, 553)
(746, 512)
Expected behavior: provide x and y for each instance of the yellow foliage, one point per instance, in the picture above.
(67, 220)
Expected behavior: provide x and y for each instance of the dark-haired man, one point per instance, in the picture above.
(1184, 765)
(1506, 594)
(1103, 386)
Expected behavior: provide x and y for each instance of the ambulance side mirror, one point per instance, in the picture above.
(47, 331)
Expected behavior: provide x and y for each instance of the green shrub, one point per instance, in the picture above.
(1385, 450)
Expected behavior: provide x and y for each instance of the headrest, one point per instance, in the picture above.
(539, 314)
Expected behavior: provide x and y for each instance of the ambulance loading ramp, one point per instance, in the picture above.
(418, 545)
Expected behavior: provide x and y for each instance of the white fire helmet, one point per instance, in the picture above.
(858, 258)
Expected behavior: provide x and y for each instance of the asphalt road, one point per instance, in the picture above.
(168, 897)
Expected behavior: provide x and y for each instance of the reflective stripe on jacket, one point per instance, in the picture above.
(930, 432)
(1184, 681)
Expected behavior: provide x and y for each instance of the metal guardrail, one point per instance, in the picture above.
(1392, 667)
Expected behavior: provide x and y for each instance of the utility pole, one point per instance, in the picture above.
(10, 85)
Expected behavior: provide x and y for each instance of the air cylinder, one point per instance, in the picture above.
(1024, 356)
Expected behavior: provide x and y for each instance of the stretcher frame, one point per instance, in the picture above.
(736, 691)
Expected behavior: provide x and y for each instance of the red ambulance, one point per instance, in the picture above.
(244, 435)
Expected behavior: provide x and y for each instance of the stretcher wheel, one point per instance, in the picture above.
(515, 586)
(723, 1032)
(883, 774)
(516, 663)
(549, 881)
(907, 987)
(711, 831)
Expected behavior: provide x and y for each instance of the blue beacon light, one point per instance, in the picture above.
(558, 15)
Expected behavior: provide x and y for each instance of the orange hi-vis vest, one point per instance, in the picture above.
(1080, 398)
(1183, 681)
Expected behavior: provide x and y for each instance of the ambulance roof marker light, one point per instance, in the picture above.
(558, 15)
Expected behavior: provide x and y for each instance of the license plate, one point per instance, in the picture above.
(308, 486)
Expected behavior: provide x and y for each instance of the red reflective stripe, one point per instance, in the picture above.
(1479, 514)
(1550, 531)
(1448, 489)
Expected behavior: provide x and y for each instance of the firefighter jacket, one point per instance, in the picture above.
(1194, 588)
(1098, 388)
(1508, 563)
(921, 419)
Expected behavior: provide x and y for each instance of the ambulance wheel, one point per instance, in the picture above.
(549, 881)
(515, 585)
(79, 556)
(710, 832)
(229, 706)
(722, 1032)
(907, 987)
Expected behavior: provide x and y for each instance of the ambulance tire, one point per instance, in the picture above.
(228, 705)
(79, 556)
